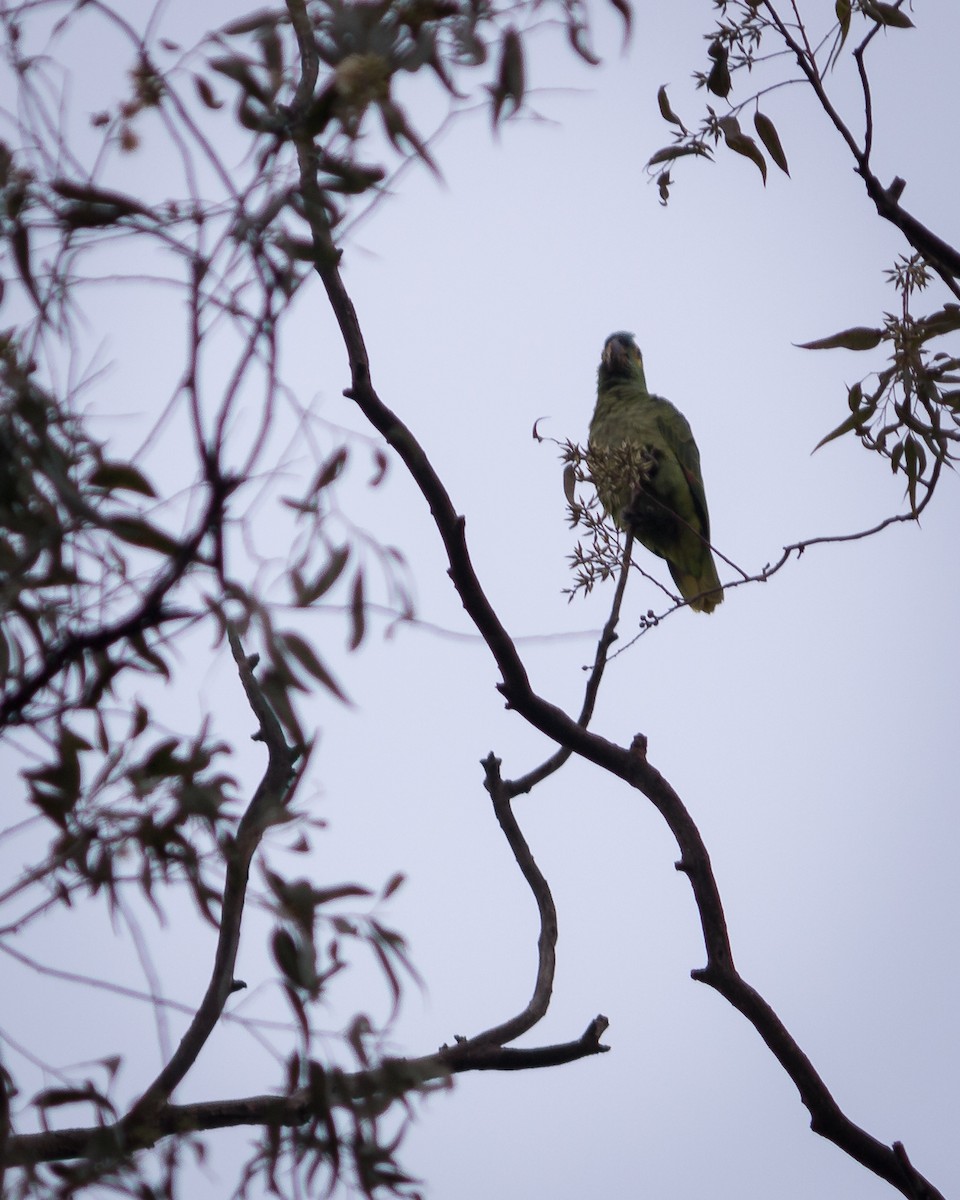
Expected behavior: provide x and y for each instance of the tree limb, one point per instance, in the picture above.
(630, 765)
(392, 1079)
(267, 804)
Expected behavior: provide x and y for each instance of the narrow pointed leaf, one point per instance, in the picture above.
(261, 19)
(20, 240)
(666, 111)
(206, 92)
(308, 593)
(137, 532)
(887, 14)
(576, 35)
(357, 612)
(625, 11)
(124, 206)
(512, 67)
(112, 476)
(669, 153)
(741, 143)
(767, 133)
(303, 653)
(860, 337)
(570, 485)
(944, 321)
(854, 422)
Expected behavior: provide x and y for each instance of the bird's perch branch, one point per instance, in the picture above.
(630, 765)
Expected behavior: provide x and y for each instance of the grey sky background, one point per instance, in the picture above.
(810, 724)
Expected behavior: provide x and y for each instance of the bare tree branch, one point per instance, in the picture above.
(152, 1117)
(630, 765)
(265, 808)
(539, 1002)
(393, 1078)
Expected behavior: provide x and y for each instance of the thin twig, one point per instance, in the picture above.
(607, 637)
(944, 258)
(150, 614)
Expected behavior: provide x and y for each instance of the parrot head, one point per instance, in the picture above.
(621, 359)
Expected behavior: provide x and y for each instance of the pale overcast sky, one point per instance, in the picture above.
(809, 724)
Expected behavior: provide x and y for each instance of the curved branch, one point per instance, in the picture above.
(502, 793)
(474, 1055)
(630, 765)
(508, 1031)
(266, 806)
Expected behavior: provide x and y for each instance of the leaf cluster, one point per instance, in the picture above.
(733, 46)
(347, 1137)
(75, 540)
(363, 50)
(739, 44)
(598, 553)
(132, 809)
(909, 411)
(300, 908)
(344, 1135)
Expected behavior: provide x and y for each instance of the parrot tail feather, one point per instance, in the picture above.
(703, 593)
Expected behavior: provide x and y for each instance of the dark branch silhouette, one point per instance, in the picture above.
(331, 91)
(630, 765)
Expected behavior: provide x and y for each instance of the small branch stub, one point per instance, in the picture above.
(638, 747)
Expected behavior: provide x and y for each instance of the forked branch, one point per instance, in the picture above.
(265, 808)
(629, 765)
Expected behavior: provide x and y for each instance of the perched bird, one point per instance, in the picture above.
(646, 469)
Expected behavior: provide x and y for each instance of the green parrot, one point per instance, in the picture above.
(646, 468)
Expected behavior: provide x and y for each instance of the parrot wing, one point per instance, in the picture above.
(675, 430)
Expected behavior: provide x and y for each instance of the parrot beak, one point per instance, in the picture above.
(618, 357)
